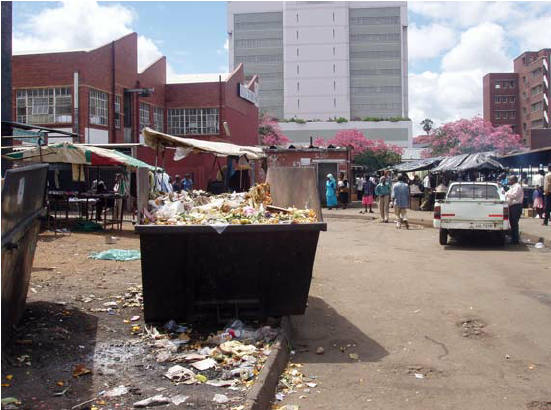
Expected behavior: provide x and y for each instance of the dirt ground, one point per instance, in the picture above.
(463, 326)
(66, 324)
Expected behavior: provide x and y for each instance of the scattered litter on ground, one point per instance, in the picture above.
(320, 350)
(419, 376)
(80, 370)
(179, 399)
(120, 255)
(354, 356)
(117, 391)
(153, 401)
(220, 398)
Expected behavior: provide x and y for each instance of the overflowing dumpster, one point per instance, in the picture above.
(237, 256)
(192, 273)
(23, 195)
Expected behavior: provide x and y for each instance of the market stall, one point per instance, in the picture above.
(88, 194)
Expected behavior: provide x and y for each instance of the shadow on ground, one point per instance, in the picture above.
(49, 341)
(480, 242)
(322, 326)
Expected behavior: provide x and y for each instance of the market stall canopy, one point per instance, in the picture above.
(155, 139)
(419, 165)
(450, 163)
(478, 162)
(66, 152)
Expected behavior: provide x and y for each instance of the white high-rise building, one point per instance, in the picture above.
(321, 60)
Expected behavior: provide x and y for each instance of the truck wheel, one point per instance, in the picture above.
(443, 237)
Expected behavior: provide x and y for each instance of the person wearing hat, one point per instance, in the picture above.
(547, 194)
(331, 192)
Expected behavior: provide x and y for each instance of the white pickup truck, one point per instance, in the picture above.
(471, 207)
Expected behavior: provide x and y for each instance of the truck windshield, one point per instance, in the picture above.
(472, 191)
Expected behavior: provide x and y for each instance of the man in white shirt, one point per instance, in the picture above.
(537, 180)
(514, 197)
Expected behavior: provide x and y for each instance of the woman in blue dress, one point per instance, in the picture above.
(331, 192)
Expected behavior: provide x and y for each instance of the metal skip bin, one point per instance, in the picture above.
(249, 271)
(23, 194)
(195, 272)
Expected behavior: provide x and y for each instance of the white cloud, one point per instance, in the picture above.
(81, 26)
(148, 52)
(429, 41)
(467, 13)
(224, 49)
(533, 34)
(456, 91)
(480, 47)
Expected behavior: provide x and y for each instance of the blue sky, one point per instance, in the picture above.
(451, 44)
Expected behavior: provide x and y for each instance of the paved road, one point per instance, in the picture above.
(396, 298)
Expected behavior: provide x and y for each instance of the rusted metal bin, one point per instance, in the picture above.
(193, 273)
(23, 194)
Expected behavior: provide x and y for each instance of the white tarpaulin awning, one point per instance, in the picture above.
(155, 139)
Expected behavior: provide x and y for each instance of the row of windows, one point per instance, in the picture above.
(504, 99)
(54, 106)
(389, 89)
(537, 124)
(260, 25)
(537, 106)
(200, 121)
(505, 84)
(368, 21)
(266, 76)
(538, 72)
(382, 38)
(273, 58)
(44, 106)
(375, 54)
(375, 71)
(536, 90)
(505, 114)
(381, 106)
(259, 43)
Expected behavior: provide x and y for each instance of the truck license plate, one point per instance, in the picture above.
(484, 226)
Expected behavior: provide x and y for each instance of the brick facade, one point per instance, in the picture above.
(532, 94)
(112, 69)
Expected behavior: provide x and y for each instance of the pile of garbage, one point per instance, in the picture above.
(231, 358)
(202, 208)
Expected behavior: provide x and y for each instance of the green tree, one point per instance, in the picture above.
(427, 125)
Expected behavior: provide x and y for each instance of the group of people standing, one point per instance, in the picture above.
(182, 185)
(369, 188)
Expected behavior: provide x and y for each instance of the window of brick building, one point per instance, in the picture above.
(158, 119)
(193, 121)
(99, 111)
(497, 84)
(44, 105)
(117, 111)
(497, 115)
(144, 115)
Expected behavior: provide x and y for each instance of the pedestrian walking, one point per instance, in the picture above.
(382, 191)
(360, 179)
(514, 197)
(400, 193)
(537, 199)
(547, 194)
(538, 178)
(331, 192)
(368, 194)
(343, 190)
(427, 204)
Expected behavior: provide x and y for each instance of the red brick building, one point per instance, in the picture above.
(100, 95)
(521, 98)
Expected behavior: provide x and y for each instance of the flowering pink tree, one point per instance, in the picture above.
(375, 154)
(270, 132)
(468, 136)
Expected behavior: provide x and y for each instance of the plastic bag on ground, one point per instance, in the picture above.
(117, 255)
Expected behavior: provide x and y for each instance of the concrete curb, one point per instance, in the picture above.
(260, 396)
